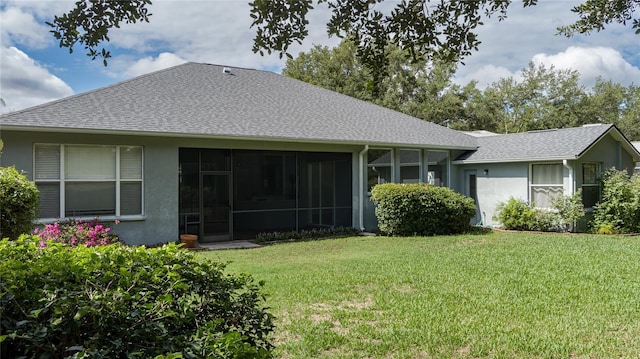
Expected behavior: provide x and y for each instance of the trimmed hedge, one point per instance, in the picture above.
(19, 201)
(421, 209)
(115, 301)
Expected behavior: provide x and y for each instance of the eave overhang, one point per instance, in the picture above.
(230, 137)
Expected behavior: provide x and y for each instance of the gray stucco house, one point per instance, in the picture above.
(226, 153)
(535, 166)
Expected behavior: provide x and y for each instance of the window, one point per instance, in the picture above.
(590, 184)
(546, 183)
(379, 167)
(437, 168)
(410, 166)
(88, 180)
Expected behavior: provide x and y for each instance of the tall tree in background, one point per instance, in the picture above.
(539, 98)
(544, 98)
(629, 122)
(483, 110)
(421, 89)
(337, 69)
(613, 103)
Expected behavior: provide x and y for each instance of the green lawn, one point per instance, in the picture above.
(499, 295)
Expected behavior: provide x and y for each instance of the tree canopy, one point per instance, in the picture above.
(422, 29)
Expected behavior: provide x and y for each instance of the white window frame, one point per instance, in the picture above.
(61, 180)
(548, 185)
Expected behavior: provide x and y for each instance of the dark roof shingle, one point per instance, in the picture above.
(195, 99)
(565, 143)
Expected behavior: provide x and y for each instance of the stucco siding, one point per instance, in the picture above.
(500, 182)
(609, 153)
(159, 222)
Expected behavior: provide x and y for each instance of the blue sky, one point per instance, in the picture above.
(33, 69)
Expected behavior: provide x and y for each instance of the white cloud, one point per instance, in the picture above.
(20, 27)
(593, 62)
(24, 83)
(590, 62)
(150, 64)
(530, 33)
(484, 76)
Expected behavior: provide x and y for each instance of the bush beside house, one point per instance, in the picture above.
(618, 211)
(421, 209)
(19, 201)
(116, 301)
(519, 215)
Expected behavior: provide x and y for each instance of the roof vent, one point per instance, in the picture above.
(226, 71)
(591, 124)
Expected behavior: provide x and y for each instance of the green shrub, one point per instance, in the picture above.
(605, 228)
(421, 209)
(619, 207)
(125, 302)
(73, 232)
(516, 215)
(568, 211)
(19, 201)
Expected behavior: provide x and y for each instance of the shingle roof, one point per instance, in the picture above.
(200, 100)
(566, 143)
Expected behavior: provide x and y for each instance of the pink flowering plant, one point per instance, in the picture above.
(74, 232)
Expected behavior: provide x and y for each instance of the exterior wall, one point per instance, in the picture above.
(496, 183)
(609, 153)
(160, 223)
(505, 180)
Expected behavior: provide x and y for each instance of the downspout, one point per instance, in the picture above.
(361, 187)
(565, 163)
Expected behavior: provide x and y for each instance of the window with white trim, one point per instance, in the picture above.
(590, 184)
(88, 180)
(546, 183)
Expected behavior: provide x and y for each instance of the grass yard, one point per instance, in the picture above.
(499, 295)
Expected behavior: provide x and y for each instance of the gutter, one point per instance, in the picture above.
(361, 187)
(515, 159)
